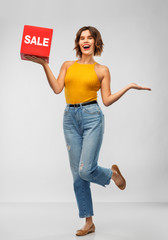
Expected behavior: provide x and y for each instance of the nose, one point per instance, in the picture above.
(86, 41)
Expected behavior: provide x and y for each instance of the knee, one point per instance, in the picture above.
(84, 174)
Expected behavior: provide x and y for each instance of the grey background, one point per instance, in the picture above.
(34, 163)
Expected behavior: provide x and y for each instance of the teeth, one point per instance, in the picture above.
(86, 46)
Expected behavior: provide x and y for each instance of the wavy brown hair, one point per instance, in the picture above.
(97, 38)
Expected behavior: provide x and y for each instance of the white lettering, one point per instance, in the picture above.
(38, 42)
(45, 42)
(33, 40)
(27, 39)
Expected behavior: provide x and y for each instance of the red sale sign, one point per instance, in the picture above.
(36, 41)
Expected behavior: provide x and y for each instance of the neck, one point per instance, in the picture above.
(86, 59)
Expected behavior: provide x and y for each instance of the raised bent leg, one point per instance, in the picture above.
(92, 141)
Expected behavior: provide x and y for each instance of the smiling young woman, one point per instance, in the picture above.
(92, 35)
(83, 120)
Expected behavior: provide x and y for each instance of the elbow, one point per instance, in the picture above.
(106, 103)
(56, 91)
(106, 100)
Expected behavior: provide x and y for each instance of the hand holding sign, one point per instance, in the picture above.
(35, 59)
(36, 41)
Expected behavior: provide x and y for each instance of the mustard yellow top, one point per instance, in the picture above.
(81, 83)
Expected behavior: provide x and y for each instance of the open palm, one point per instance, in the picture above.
(135, 86)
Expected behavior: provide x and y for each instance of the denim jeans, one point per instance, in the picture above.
(83, 130)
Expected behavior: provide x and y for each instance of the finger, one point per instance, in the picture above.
(146, 88)
(31, 58)
(28, 57)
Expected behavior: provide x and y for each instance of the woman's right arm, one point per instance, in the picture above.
(56, 84)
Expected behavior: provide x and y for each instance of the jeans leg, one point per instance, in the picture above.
(92, 141)
(74, 143)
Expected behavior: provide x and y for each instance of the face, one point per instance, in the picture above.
(86, 43)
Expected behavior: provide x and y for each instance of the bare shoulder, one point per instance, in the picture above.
(101, 67)
(101, 71)
(67, 64)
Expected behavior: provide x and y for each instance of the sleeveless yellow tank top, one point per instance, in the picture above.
(81, 83)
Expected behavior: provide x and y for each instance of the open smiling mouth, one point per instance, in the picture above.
(86, 47)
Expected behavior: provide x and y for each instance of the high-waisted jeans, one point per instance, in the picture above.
(83, 131)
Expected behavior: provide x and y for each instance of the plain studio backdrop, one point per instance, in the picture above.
(34, 165)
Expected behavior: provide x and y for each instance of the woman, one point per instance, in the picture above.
(83, 118)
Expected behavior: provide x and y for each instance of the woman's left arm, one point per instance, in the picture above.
(109, 98)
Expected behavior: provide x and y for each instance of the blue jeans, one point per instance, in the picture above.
(83, 131)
